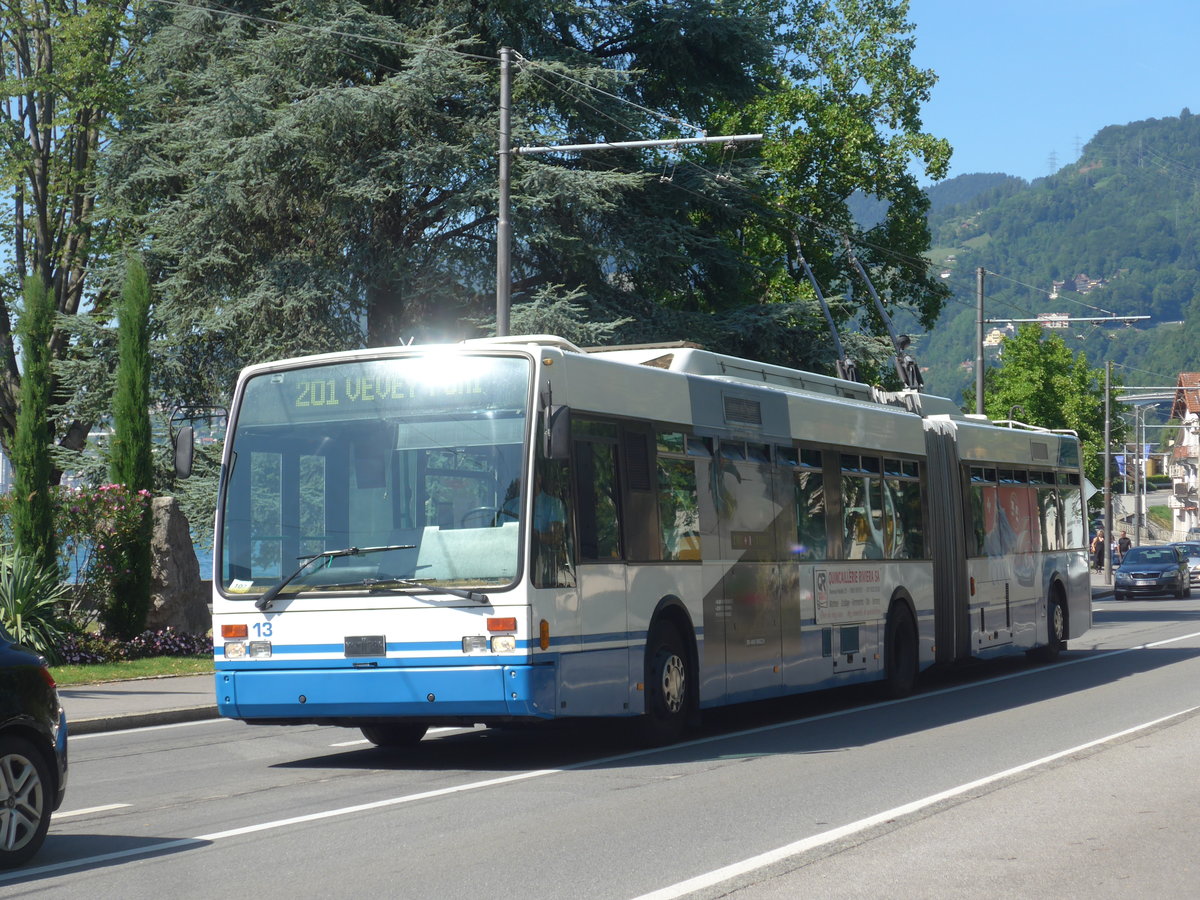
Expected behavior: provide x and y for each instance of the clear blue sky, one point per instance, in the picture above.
(1022, 80)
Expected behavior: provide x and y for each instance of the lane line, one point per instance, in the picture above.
(762, 860)
(88, 811)
(100, 734)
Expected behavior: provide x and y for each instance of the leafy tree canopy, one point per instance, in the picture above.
(1040, 381)
(316, 176)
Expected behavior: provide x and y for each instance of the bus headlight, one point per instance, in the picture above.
(235, 650)
(260, 649)
(475, 643)
(504, 643)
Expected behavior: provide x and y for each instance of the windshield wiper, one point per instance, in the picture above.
(476, 596)
(268, 598)
(385, 584)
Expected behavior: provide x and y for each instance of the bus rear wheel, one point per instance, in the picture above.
(1056, 629)
(900, 651)
(396, 734)
(668, 686)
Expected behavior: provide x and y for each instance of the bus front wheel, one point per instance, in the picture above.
(398, 734)
(668, 686)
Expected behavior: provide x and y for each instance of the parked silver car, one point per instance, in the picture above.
(1192, 550)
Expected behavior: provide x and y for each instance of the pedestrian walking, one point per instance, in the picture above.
(1098, 550)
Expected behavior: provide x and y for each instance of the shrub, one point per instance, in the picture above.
(31, 600)
(86, 649)
(93, 525)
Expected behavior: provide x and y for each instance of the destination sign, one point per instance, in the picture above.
(387, 388)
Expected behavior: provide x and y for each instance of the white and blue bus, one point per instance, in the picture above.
(517, 529)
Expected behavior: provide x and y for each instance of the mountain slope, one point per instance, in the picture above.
(1126, 216)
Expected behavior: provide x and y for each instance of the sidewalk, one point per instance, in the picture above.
(115, 705)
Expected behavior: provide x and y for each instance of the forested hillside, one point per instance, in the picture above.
(1125, 216)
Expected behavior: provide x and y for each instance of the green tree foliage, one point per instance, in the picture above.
(1041, 382)
(61, 78)
(31, 596)
(318, 177)
(130, 462)
(844, 116)
(33, 510)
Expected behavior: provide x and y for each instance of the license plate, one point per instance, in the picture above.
(366, 645)
(1143, 582)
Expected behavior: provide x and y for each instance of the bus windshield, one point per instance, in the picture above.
(418, 457)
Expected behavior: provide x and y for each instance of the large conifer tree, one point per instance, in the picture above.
(130, 459)
(33, 509)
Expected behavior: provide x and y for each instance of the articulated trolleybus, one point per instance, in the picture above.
(515, 529)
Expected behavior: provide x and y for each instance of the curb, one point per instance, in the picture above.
(141, 720)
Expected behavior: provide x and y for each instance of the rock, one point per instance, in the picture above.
(178, 596)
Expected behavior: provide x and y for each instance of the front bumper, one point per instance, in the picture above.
(420, 694)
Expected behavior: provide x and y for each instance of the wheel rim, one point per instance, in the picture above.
(22, 801)
(674, 685)
(1058, 622)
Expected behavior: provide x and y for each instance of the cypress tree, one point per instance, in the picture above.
(130, 460)
(33, 510)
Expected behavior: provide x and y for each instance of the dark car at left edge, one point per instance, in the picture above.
(33, 752)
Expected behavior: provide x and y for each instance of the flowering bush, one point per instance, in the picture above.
(84, 649)
(94, 527)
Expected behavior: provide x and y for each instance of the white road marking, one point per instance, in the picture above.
(88, 811)
(762, 860)
(99, 734)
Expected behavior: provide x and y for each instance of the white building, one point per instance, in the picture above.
(1185, 459)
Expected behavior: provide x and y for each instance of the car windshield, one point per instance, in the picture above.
(417, 459)
(1141, 555)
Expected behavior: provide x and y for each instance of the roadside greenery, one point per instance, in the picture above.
(153, 667)
(32, 601)
(1042, 382)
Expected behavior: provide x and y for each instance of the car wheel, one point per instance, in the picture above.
(24, 801)
(1119, 597)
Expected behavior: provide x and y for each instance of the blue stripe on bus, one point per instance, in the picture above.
(402, 647)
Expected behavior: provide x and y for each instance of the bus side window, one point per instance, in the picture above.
(596, 487)
(811, 539)
(553, 550)
(678, 509)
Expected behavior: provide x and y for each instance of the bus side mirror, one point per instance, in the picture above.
(185, 448)
(556, 439)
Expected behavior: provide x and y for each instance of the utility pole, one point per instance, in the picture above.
(504, 200)
(1108, 518)
(979, 341)
(503, 225)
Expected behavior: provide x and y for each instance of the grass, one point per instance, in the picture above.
(152, 667)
